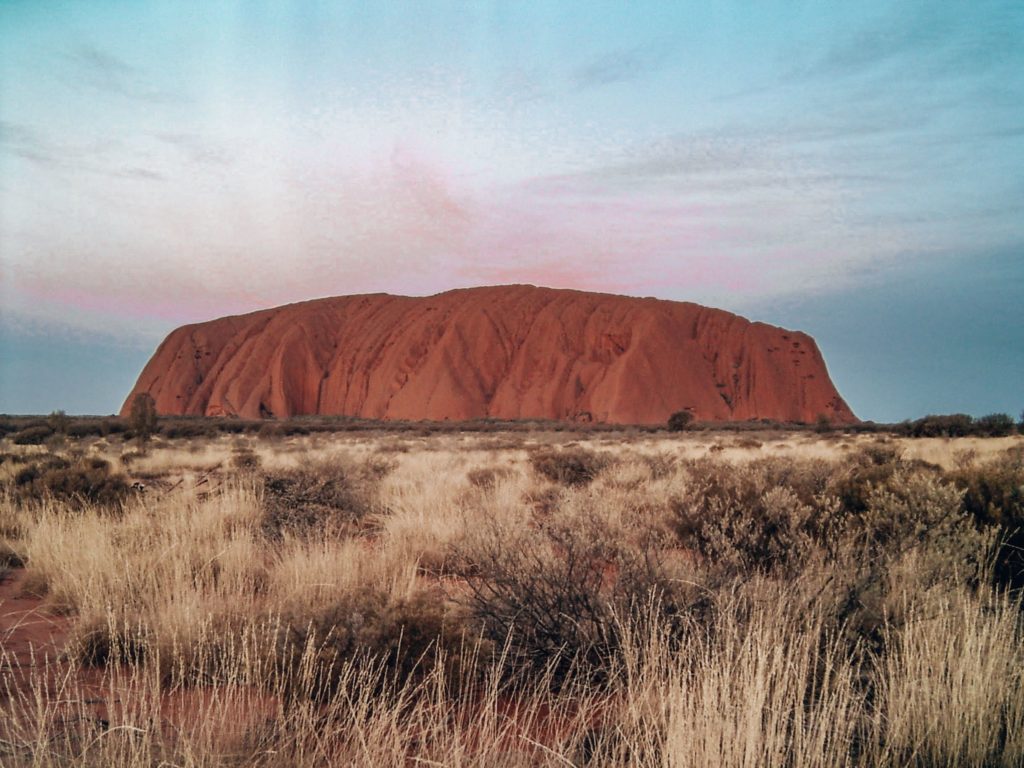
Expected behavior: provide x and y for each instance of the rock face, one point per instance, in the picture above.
(505, 352)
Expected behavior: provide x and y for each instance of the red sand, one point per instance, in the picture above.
(506, 352)
(29, 634)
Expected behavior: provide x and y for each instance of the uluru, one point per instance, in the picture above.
(504, 352)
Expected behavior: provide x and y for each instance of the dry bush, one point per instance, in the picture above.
(570, 466)
(487, 478)
(159, 560)
(743, 519)
(872, 465)
(79, 483)
(660, 465)
(994, 495)
(404, 637)
(325, 498)
(748, 443)
(770, 688)
(543, 501)
(554, 593)
(245, 459)
(102, 641)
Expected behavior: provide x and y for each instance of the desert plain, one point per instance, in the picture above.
(280, 596)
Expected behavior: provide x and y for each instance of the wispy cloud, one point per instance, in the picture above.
(701, 163)
(918, 40)
(27, 143)
(144, 174)
(36, 146)
(621, 65)
(100, 69)
(196, 148)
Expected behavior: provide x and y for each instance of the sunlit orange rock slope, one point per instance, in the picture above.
(506, 352)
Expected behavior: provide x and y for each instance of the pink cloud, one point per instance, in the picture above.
(407, 222)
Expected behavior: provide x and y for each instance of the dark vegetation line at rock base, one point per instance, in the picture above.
(37, 429)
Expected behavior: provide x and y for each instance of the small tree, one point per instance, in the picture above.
(680, 421)
(58, 421)
(142, 418)
(995, 425)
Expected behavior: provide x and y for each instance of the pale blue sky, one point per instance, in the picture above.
(852, 170)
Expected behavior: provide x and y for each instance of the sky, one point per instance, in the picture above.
(852, 170)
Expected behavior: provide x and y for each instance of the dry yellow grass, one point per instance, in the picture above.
(187, 571)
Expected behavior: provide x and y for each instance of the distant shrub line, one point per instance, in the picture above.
(36, 430)
(960, 425)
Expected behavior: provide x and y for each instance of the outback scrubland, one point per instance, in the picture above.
(512, 599)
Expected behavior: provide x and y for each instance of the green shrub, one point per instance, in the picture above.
(192, 428)
(79, 429)
(32, 435)
(112, 427)
(952, 425)
(570, 466)
(994, 425)
(915, 517)
(35, 469)
(959, 425)
(680, 421)
(233, 426)
(912, 508)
